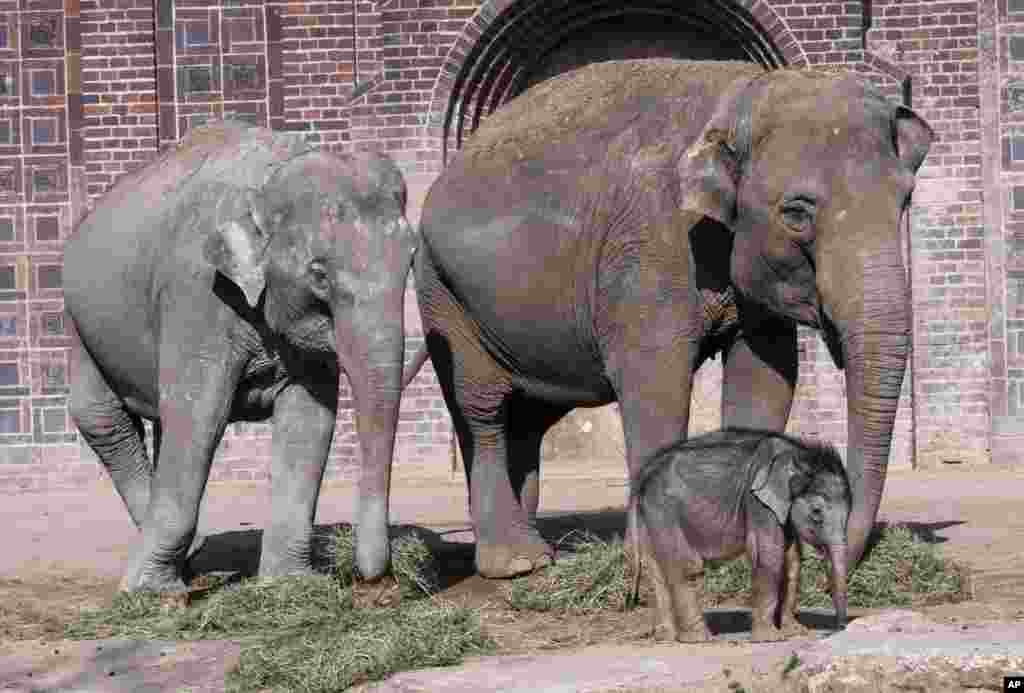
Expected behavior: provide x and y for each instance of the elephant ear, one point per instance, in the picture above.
(238, 245)
(707, 173)
(913, 137)
(779, 478)
(709, 169)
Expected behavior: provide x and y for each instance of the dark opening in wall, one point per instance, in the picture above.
(633, 36)
(534, 40)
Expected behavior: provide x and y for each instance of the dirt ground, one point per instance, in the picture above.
(65, 550)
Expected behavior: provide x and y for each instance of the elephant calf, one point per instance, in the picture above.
(717, 495)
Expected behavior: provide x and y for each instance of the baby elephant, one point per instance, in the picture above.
(713, 497)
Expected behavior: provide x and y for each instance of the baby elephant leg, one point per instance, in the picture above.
(678, 575)
(767, 590)
(788, 624)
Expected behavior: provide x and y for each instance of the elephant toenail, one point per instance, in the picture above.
(520, 565)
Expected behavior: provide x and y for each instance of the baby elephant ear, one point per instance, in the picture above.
(778, 479)
(707, 174)
(237, 245)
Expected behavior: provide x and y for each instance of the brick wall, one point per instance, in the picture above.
(93, 87)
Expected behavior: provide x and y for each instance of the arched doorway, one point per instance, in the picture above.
(513, 44)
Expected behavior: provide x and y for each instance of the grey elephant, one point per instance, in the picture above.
(733, 492)
(232, 279)
(606, 231)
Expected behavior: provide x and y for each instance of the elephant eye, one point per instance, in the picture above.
(798, 214)
(817, 515)
(318, 273)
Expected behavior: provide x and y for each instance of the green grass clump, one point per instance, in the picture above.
(593, 577)
(356, 649)
(412, 564)
(302, 633)
(900, 570)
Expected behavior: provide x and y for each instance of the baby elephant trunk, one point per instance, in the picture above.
(837, 557)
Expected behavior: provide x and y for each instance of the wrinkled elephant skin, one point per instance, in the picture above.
(233, 279)
(738, 492)
(606, 231)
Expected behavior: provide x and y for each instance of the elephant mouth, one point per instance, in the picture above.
(833, 340)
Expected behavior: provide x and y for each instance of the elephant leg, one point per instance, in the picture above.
(476, 391)
(760, 376)
(303, 430)
(791, 592)
(768, 567)
(196, 395)
(113, 433)
(677, 572)
(528, 421)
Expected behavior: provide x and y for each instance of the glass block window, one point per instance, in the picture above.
(10, 421)
(1017, 198)
(8, 374)
(8, 326)
(44, 82)
(47, 228)
(53, 375)
(8, 280)
(1017, 48)
(54, 420)
(43, 32)
(1017, 148)
(49, 277)
(1015, 6)
(45, 180)
(8, 85)
(6, 132)
(53, 324)
(197, 34)
(44, 131)
(196, 78)
(6, 229)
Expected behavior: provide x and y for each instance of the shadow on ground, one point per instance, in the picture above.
(238, 553)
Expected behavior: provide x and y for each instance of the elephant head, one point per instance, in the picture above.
(807, 488)
(322, 252)
(811, 172)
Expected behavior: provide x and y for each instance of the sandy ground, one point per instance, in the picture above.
(62, 550)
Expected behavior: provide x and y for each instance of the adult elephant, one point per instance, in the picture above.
(229, 280)
(607, 230)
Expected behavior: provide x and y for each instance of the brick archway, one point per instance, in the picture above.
(506, 42)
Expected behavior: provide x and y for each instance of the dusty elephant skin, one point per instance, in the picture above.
(726, 493)
(606, 231)
(230, 280)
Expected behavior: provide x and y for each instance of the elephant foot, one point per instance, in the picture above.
(376, 594)
(273, 567)
(162, 580)
(791, 628)
(766, 633)
(665, 632)
(512, 560)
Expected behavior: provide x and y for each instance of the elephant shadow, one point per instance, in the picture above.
(236, 554)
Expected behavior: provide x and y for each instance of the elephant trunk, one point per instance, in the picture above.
(375, 352)
(837, 558)
(873, 343)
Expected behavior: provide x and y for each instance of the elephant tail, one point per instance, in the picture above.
(418, 359)
(633, 596)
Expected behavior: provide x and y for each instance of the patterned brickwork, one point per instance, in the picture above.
(90, 89)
